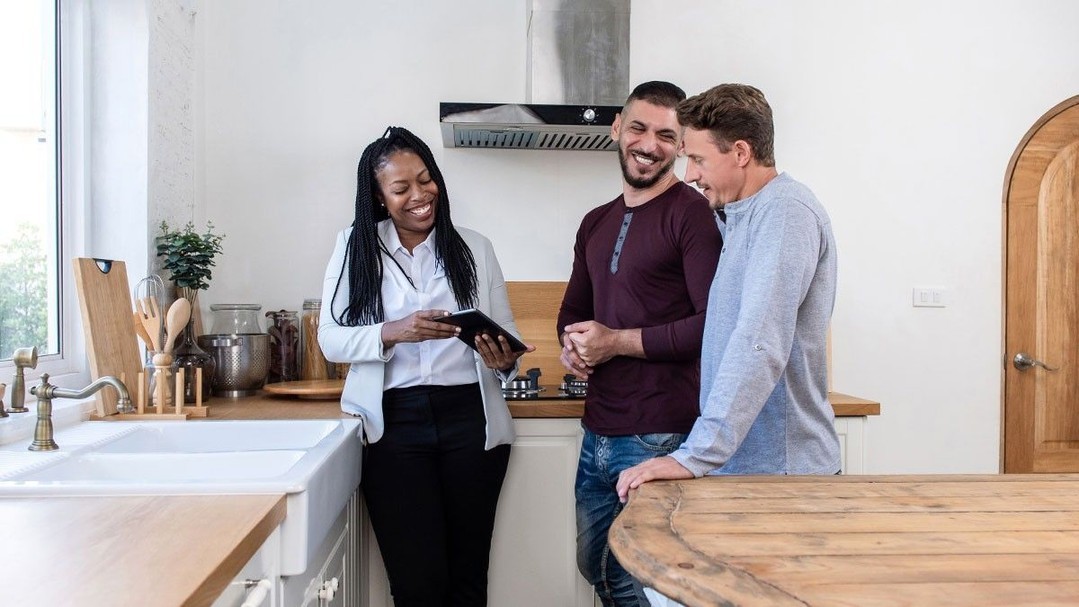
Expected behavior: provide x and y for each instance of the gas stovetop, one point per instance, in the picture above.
(542, 393)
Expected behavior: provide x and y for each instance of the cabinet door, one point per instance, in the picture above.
(851, 431)
(533, 556)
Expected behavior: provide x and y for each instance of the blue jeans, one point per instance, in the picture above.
(602, 459)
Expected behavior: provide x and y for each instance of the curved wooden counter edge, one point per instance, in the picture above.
(264, 406)
(649, 524)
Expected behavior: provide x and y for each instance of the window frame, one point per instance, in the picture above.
(68, 367)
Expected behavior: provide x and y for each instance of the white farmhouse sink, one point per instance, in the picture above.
(316, 463)
(211, 437)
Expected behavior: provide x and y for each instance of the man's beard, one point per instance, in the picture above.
(642, 182)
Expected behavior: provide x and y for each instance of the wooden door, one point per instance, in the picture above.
(1041, 285)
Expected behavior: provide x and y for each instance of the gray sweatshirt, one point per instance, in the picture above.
(764, 392)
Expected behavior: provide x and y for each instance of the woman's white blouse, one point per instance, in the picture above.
(435, 362)
(362, 347)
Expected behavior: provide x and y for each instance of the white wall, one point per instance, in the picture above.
(901, 115)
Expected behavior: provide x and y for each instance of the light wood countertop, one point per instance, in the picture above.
(133, 550)
(856, 540)
(264, 406)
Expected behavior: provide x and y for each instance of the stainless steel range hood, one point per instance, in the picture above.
(578, 78)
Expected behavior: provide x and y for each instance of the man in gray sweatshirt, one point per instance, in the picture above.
(764, 395)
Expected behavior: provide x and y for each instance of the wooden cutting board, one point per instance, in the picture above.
(111, 345)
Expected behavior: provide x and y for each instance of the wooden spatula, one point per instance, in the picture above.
(175, 321)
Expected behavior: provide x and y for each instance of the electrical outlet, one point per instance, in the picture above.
(930, 297)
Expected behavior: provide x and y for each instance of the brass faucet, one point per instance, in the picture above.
(23, 358)
(46, 392)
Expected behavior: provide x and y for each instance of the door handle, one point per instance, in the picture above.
(1023, 361)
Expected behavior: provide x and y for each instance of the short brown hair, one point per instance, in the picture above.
(732, 112)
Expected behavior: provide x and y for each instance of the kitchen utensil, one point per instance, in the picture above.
(151, 320)
(311, 389)
(235, 319)
(175, 321)
(151, 286)
(242, 362)
(105, 302)
(141, 331)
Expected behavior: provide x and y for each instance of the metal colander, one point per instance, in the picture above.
(242, 362)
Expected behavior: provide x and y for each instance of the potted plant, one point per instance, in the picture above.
(188, 256)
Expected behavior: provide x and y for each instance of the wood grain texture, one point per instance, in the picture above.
(856, 540)
(1040, 432)
(111, 345)
(535, 306)
(148, 551)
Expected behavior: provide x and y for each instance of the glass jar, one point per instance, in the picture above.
(313, 365)
(284, 333)
(236, 319)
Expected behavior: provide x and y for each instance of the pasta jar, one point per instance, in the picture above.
(284, 333)
(313, 364)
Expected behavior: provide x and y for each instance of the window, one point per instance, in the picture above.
(36, 307)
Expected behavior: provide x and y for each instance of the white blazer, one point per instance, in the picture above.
(362, 346)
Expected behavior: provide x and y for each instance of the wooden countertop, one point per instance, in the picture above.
(264, 406)
(144, 550)
(856, 540)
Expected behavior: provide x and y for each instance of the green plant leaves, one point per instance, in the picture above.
(188, 255)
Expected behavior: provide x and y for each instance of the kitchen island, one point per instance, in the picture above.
(856, 540)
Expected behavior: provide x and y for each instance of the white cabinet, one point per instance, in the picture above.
(533, 554)
(851, 431)
(332, 579)
(257, 578)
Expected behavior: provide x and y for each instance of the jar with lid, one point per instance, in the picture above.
(284, 333)
(236, 319)
(313, 364)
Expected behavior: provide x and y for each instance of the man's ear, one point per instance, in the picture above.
(744, 152)
(616, 126)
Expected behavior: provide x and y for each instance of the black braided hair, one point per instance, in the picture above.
(363, 260)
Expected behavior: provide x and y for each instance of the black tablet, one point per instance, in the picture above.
(474, 322)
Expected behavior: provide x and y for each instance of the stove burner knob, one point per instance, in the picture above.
(589, 115)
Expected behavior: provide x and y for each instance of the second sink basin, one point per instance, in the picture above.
(212, 437)
(168, 467)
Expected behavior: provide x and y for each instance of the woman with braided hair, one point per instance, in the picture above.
(437, 427)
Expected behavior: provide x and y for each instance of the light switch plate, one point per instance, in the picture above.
(930, 297)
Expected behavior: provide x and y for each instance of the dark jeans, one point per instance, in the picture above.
(431, 490)
(602, 459)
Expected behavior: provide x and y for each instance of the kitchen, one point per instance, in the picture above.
(253, 116)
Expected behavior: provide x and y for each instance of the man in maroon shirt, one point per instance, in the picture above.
(631, 322)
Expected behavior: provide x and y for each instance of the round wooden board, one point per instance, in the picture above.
(314, 389)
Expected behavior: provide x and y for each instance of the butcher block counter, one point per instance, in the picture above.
(858, 540)
(266, 406)
(132, 550)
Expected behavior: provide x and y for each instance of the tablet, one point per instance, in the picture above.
(474, 322)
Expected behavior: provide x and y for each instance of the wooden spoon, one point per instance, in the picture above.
(175, 321)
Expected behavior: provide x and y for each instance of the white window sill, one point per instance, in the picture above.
(65, 412)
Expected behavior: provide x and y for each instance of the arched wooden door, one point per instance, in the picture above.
(1041, 337)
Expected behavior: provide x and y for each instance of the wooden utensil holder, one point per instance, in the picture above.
(162, 375)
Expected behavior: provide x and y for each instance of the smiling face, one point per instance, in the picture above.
(721, 175)
(648, 137)
(410, 194)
